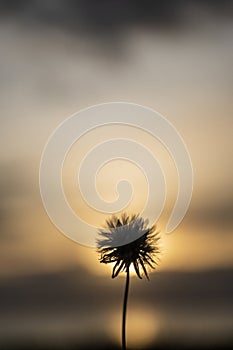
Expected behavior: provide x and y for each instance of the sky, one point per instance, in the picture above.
(59, 57)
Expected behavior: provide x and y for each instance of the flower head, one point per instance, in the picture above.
(128, 240)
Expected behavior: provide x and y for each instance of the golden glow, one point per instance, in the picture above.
(132, 271)
(43, 248)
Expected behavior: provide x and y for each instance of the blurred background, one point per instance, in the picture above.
(57, 57)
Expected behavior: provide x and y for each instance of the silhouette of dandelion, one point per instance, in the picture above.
(127, 240)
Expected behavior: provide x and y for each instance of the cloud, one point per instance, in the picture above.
(68, 306)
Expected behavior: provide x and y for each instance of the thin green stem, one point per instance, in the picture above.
(124, 309)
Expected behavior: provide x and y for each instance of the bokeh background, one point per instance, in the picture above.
(57, 57)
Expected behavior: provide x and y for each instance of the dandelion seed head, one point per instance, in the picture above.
(128, 240)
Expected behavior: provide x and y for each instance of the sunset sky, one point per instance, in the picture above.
(51, 67)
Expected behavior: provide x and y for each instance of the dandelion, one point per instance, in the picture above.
(127, 240)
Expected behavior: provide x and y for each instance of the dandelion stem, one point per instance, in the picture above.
(124, 309)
